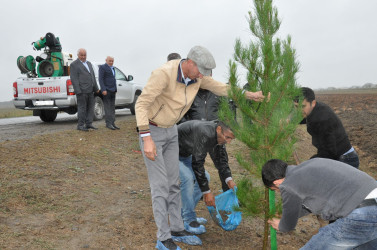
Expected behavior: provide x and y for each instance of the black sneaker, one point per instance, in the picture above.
(194, 227)
(181, 233)
(167, 244)
(194, 224)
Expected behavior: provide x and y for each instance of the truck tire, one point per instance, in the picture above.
(48, 115)
(132, 108)
(99, 110)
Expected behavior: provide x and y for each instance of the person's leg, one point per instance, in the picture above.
(159, 184)
(81, 110)
(112, 108)
(197, 192)
(107, 107)
(190, 194)
(187, 189)
(219, 157)
(351, 159)
(357, 229)
(90, 109)
(171, 154)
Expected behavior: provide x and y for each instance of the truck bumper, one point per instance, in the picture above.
(58, 104)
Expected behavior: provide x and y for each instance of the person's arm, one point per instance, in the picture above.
(152, 89)
(198, 167)
(95, 86)
(221, 89)
(74, 76)
(201, 143)
(292, 207)
(219, 157)
(150, 150)
(101, 79)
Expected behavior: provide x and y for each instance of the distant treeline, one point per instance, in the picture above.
(365, 86)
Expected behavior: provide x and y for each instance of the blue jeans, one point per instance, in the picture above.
(190, 191)
(358, 230)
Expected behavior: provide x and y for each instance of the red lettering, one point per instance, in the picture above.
(40, 90)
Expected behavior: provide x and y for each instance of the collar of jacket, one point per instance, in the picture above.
(316, 112)
(180, 76)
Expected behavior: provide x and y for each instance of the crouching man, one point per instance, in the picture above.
(196, 139)
(331, 189)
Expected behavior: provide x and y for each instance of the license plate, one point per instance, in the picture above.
(44, 103)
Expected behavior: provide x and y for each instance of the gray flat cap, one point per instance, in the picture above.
(203, 58)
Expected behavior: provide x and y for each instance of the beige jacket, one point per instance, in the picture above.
(165, 100)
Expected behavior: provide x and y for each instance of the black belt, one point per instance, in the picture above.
(367, 202)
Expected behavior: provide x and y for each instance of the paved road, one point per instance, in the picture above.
(27, 127)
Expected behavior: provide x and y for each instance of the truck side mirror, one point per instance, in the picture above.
(130, 78)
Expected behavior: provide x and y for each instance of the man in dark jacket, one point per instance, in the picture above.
(331, 189)
(85, 84)
(205, 108)
(196, 139)
(107, 81)
(327, 131)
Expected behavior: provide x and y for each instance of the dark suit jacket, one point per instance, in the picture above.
(82, 80)
(106, 78)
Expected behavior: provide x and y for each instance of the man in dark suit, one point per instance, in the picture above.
(107, 81)
(84, 83)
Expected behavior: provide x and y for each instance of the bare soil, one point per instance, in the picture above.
(71, 190)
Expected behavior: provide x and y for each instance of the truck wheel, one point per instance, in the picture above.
(132, 108)
(48, 115)
(99, 110)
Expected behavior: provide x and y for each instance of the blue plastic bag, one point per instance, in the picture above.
(224, 214)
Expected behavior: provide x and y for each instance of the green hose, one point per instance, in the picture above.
(274, 245)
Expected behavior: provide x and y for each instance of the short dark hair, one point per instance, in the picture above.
(223, 126)
(273, 170)
(173, 56)
(308, 93)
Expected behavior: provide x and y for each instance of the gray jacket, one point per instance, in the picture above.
(82, 80)
(324, 187)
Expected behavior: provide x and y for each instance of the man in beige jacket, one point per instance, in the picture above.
(166, 97)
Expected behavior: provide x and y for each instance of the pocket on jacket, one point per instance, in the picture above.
(158, 111)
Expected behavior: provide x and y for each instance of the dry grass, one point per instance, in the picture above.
(13, 112)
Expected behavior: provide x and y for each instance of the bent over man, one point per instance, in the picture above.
(331, 189)
(196, 139)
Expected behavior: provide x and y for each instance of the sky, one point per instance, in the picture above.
(335, 40)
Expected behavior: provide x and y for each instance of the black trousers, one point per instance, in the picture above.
(109, 105)
(85, 109)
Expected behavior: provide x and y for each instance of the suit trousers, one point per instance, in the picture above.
(109, 104)
(163, 175)
(85, 109)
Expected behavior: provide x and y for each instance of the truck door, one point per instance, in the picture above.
(124, 88)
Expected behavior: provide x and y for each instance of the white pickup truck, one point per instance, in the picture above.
(46, 96)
